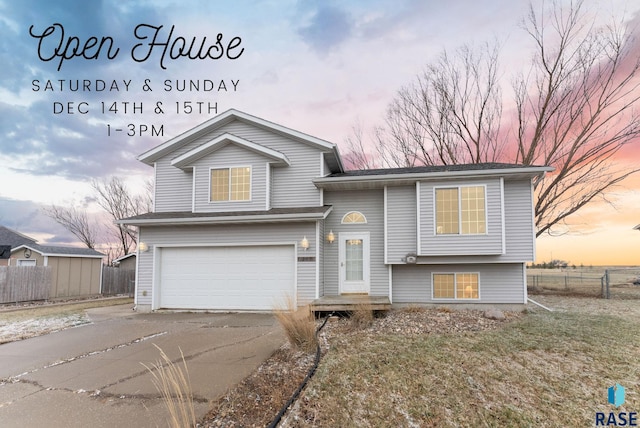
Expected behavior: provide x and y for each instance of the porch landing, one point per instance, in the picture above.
(348, 302)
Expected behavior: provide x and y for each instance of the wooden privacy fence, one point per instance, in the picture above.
(118, 281)
(24, 283)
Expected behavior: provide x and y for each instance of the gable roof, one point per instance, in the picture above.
(186, 160)
(60, 251)
(13, 238)
(126, 256)
(332, 156)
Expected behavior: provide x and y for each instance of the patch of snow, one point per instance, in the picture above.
(18, 330)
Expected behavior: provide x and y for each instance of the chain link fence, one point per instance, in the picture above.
(622, 283)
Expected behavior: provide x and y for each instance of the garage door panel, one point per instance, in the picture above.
(250, 278)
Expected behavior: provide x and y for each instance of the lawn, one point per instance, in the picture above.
(543, 369)
(17, 323)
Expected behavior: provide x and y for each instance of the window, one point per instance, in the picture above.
(457, 286)
(231, 184)
(354, 217)
(461, 210)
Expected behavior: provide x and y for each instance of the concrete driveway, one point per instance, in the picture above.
(92, 375)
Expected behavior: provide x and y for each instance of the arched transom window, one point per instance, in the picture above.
(354, 217)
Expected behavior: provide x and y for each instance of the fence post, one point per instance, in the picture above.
(607, 284)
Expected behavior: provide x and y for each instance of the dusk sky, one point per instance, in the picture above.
(319, 67)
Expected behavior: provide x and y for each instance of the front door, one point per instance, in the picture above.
(354, 263)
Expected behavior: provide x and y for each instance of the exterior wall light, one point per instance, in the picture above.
(331, 237)
(143, 247)
(304, 243)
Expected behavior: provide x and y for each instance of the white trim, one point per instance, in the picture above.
(318, 258)
(385, 237)
(524, 282)
(354, 212)
(271, 218)
(321, 197)
(185, 161)
(232, 201)
(321, 164)
(418, 222)
(94, 256)
(366, 261)
(136, 283)
(155, 285)
(222, 119)
(459, 187)
(155, 185)
(46, 263)
(533, 222)
(430, 176)
(193, 189)
(267, 199)
(502, 215)
(455, 284)
(390, 267)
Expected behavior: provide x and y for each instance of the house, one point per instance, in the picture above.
(247, 211)
(76, 271)
(13, 239)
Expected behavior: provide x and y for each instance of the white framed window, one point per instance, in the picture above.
(26, 262)
(230, 184)
(455, 286)
(354, 217)
(461, 210)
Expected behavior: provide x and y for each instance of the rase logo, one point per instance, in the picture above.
(615, 396)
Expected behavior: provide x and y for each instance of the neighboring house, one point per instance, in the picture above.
(13, 239)
(127, 262)
(76, 272)
(247, 211)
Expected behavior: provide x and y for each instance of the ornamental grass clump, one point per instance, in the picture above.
(299, 325)
(174, 385)
(362, 316)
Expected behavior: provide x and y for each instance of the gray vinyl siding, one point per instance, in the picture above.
(173, 187)
(519, 222)
(519, 230)
(498, 283)
(322, 241)
(250, 234)
(401, 223)
(490, 243)
(370, 203)
(231, 156)
(291, 186)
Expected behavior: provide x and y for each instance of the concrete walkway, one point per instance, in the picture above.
(93, 375)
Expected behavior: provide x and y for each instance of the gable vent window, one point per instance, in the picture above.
(461, 211)
(354, 217)
(231, 184)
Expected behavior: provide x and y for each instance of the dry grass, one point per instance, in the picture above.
(543, 369)
(174, 385)
(299, 326)
(361, 316)
(10, 313)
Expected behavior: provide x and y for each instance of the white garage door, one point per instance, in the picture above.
(244, 278)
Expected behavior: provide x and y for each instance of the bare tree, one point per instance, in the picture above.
(116, 199)
(75, 221)
(451, 114)
(574, 110)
